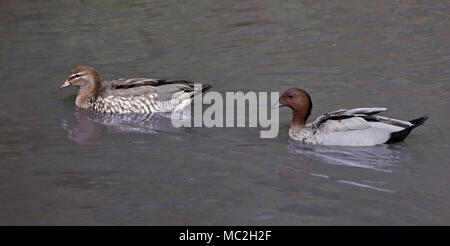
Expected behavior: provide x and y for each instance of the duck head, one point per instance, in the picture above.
(85, 78)
(300, 103)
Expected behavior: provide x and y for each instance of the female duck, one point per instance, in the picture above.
(352, 127)
(123, 96)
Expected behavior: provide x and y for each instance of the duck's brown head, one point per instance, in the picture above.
(83, 77)
(300, 102)
(87, 79)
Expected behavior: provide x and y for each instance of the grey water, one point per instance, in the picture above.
(63, 166)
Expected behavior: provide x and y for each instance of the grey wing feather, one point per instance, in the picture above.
(164, 89)
(135, 82)
(364, 113)
(389, 121)
(166, 92)
(367, 111)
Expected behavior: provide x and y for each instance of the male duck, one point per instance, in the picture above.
(347, 127)
(137, 95)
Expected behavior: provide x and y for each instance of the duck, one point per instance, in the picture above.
(343, 127)
(134, 95)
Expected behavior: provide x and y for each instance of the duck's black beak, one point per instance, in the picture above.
(65, 84)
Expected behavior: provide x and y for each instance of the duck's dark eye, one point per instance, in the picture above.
(72, 77)
(290, 96)
(75, 76)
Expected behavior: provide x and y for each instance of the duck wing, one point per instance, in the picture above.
(342, 114)
(163, 89)
(139, 82)
(361, 127)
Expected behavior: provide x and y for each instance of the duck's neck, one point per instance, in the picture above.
(301, 112)
(88, 92)
(298, 120)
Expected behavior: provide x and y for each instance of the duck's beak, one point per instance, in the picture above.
(277, 105)
(65, 84)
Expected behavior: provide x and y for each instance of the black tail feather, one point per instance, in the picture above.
(419, 121)
(205, 87)
(401, 135)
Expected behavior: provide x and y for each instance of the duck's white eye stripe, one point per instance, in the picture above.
(76, 75)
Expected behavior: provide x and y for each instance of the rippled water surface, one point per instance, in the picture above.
(62, 166)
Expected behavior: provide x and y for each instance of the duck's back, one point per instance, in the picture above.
(142, 95)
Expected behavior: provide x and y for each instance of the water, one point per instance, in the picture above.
(62, 166)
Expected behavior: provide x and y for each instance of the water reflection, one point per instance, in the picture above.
(380, 157)
(90, 125)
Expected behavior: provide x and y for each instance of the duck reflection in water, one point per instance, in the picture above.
(379, 158)
(90, 125)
